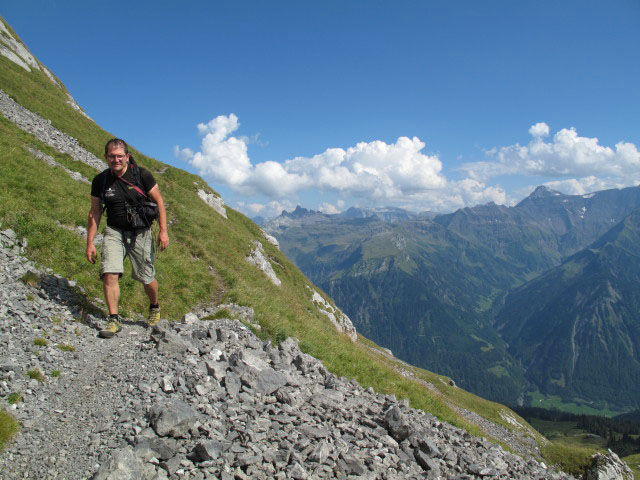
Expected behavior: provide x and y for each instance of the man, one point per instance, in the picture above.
(117, 188)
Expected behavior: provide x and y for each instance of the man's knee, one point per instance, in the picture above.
(110, 278)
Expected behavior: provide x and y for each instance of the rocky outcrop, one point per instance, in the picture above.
(608, 466)
(14, 50)
(339, 320)
(43, 130)
(203, 399)
(49, 160)
(18, 53)
(257, 257)
(213, 201)
(270, 238)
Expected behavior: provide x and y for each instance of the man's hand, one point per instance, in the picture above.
(163, 236)
(163, 239)
(91, 253)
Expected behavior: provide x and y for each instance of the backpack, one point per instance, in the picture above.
(141, 211)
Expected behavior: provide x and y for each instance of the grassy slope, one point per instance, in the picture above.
(205, 262)
(634, 463)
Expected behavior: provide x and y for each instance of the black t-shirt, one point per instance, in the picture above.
(118, 194)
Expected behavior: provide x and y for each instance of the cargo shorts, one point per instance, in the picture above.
(118, 244)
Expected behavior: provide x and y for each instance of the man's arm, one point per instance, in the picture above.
(95, 214)
(163, 235)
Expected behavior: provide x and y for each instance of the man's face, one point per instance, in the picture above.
(117, 159)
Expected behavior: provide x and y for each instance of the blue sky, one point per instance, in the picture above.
(427, 105)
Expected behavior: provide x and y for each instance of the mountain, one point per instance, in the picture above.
(576, 328)
(50, 151)
(413, 286)
(429, 289)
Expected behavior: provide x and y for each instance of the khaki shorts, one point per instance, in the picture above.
(118, 244)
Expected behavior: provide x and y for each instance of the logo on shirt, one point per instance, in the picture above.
(109, 192)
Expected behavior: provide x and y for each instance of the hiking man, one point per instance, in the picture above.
(122, 188)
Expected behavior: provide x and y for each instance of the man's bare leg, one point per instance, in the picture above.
(111, 289)
(152, 291)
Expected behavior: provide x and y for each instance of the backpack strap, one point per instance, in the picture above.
(137, 177)
(104, 187)
(135, 187)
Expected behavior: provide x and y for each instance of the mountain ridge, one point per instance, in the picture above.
(469, 259)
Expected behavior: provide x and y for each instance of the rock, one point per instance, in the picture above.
(190, 318)
(268, 381)
(213, 201)
(209, 450)
(171, 343)
(257, 258)
(149, 448)
(123, 465)
(320, 452)
(429, 447)
(174, 419)
(397, 425)
(608, 466)
(426, 462)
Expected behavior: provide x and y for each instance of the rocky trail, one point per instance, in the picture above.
(201, 399)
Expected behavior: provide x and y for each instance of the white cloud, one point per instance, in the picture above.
(539, 130)
(457, 194)
(329, 208)
(580, 186)
(222, 158)
(374, 170)
(399, 173)
(267, 210)
(566, 155)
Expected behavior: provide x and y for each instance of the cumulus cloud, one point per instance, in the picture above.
(402, 174)
(539, 130)
(268, 210)
(566, 155)
(329, 208)
(223, 158)
(457, 194)
(580, 186)
(375, 170)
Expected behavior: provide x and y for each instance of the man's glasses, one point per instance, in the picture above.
(116, 157)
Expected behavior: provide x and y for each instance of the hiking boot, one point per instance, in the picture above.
(113, 327)
(154, 316)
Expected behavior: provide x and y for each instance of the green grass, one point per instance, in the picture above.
(30, 278)
(205, 262)
(569, 458)
(569, 434)
(634, 463)
(9, 426)
(55, 373)
(40, 342)
(35, 374)
(14, 398)
(555, 402)
(66, 347)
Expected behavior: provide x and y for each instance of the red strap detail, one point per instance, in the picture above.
(138, 189)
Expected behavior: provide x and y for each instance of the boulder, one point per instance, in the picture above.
(173, 419)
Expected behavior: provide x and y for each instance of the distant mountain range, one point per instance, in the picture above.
(506, 300)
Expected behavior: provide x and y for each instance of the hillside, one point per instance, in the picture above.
(429, 289)
(575, 328)
(50, 150)
(413, 286)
